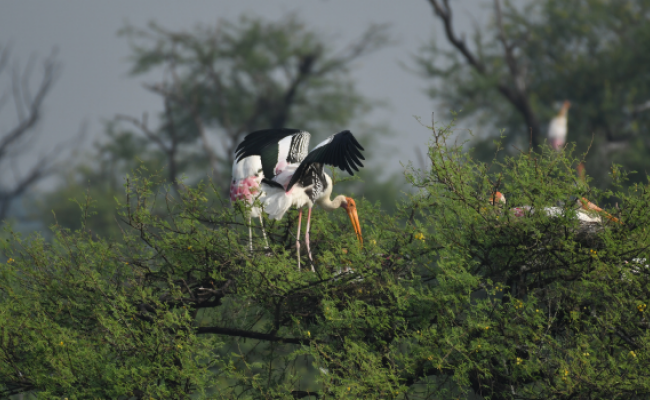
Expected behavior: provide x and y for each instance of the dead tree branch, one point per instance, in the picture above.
(513, 87)
(28, 108)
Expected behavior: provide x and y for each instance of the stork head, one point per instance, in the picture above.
(565, 107)
(350, 206)
(498, 198)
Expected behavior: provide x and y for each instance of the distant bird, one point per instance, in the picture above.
(585, 204)
(587, 211)
(294, 178)
(588, 206)
(247, 176)
(498, 198)
(557, 129)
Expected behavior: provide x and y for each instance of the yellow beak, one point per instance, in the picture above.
(354, 218)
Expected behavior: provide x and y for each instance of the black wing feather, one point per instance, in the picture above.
(342, 151)
(255, 142)
(264, 143)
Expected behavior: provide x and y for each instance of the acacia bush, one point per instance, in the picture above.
(451, 297)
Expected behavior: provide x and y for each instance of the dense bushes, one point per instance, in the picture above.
(450, 296)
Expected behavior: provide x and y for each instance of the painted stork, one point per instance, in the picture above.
(247, 176)
(498, 199)
(557, 129)
(294, 178)
(588, 212)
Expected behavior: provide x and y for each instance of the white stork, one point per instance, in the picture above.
(245, 186)
(557, 129)
(293, 177)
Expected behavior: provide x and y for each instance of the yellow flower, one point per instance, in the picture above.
(585, 354)
(348, 388)
(641, 307)
(9, 261)
(633, 354)
(566, 372)
(308, 333)
(487, 327)
(519, 360)
(189, 247)
(61, 343)
(536, 310)
(419, 236)
(373, 242)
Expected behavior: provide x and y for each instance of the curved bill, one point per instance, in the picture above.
(354, 218)
(589, 206)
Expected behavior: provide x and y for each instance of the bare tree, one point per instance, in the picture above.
(28, 107)
(512, 85)
(231, 79)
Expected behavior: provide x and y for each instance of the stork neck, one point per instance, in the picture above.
(564, 109)
(330, 205)
(324, 200)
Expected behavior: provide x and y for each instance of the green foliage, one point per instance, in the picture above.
(452, 297)
(591, 52)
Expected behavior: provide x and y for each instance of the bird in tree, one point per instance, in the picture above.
(247, 176)
(557, 129)
(292, 177)
(498, 199)
(588, 212)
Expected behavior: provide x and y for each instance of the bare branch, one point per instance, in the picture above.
(515, 94)
(443, 11)
(28, 109)
(144, 128)
(250, 334)
(27, 122)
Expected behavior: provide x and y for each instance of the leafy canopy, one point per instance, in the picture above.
(452, 297)
(534, 55)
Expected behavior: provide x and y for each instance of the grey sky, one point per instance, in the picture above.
(94, 84)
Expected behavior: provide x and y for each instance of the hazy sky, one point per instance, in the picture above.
(94, 84)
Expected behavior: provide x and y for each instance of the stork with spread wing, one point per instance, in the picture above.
(295, 178)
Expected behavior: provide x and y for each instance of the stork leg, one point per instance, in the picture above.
(264, 233)
(307, 239)
(298, 238)
(250, 234)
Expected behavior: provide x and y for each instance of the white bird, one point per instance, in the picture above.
(498, 199)
(247, 176)
(587, 212)
(294, 178)
(557, 129)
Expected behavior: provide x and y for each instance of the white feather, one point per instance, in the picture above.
(277, 202)
(557, 129)
(284, 146)
(246, 167)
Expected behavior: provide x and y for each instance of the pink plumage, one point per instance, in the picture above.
(246, 182)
